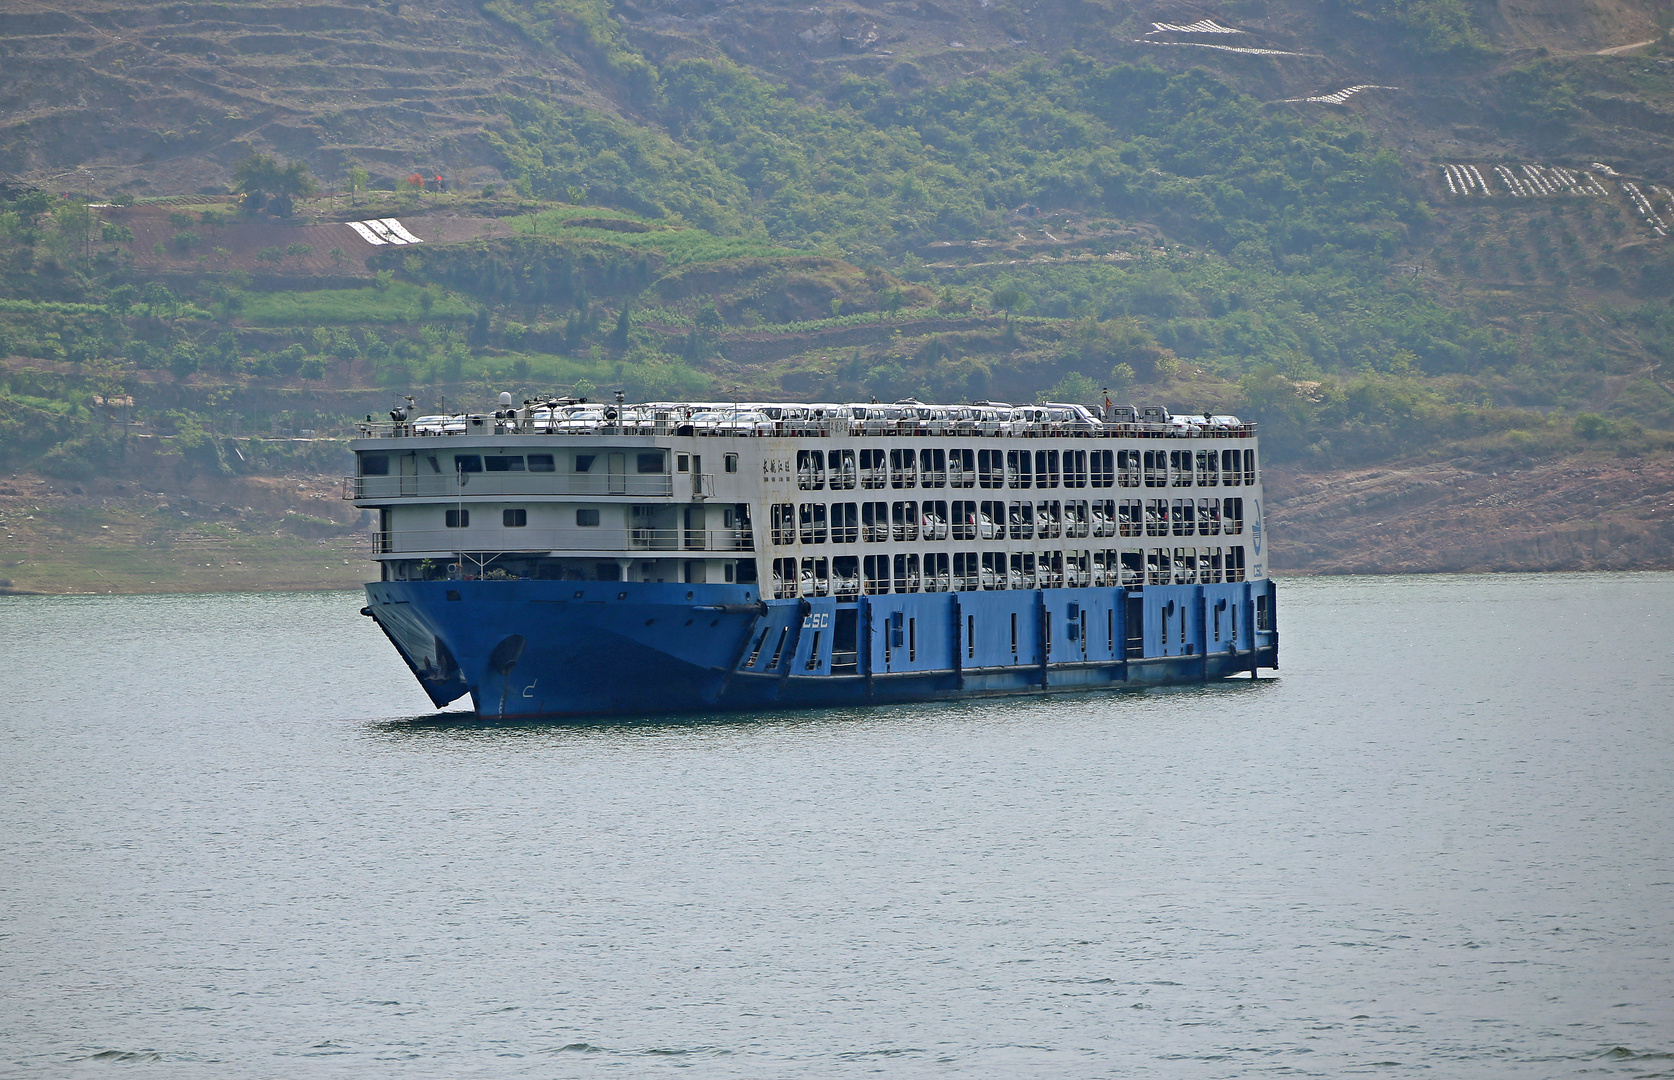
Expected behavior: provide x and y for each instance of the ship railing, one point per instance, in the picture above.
(459, 485)
(544, 541)
(825, 428)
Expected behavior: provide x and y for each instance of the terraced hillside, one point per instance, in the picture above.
(163, 98)
(1404, 235)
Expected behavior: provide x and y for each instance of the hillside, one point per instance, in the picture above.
(1423, 238)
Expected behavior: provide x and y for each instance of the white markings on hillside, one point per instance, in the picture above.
(394, 227)
(1517, 186)
(366, 234)
(1338, 98)
(1463, 179)
(1521, 181)
(381, 231)
(1643, 205)
(1558, 181)
(1202, 26)
(1226, 48)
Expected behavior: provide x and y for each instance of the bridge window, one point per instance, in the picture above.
(1207, 474)
(936, 577)
(812, 518)
(1130, 518)
(1048, 521)
(1019, 468)
(1209, 517)
(504, 463)
(1104, 468)
(1232, 516)
(903, 469)
(374, 464)
(845, 575)
(784, 584)
(1127, 468)
(1021, 518)
(1076, 520)
(1180, 467)
(874, 473)
(654, 462)
(876, 570)
(932, 467)
(468, 462)
(1156, 468)
(1185, 566)
(1075, 468)
(542, 463)
(933, 518)
(961, 468)
(874, 522)
(1156, 517)
(903, 517)
(1046, 468)
(1183, 513)
(584, 462)
(906, 573)
(845, 523)
(810, 469)
(815, 580)
(842, 470)
(782, 524)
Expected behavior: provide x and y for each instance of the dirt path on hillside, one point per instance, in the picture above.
(1617, 50)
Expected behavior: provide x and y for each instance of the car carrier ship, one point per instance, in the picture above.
(565, 558)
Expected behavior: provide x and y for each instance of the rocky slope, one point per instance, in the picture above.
(1595, 511)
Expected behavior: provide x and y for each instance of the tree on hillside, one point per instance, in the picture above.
(1008, 298)
(268, 185)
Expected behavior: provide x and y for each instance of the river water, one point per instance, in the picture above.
(236, 842)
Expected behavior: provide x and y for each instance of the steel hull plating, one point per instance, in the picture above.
(525, 649)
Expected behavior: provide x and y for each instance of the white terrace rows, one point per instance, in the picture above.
(1339, 98)
(1643, 205)
(1225, 48)
(1202, 26)
(1523, 181)
(381, 231)
(1207, 26)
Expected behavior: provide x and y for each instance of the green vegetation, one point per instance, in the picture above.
(877, 237)
(397, 302)
(1427, 28)
(267, 185)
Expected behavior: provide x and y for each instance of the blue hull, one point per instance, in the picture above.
(527, 649)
